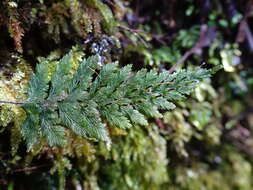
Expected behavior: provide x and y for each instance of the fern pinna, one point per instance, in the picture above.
(94, 96)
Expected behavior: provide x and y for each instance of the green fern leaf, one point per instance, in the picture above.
(95, 96)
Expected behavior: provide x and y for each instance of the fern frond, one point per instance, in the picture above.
(94, 96)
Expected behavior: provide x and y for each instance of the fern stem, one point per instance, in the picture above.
(9, 102)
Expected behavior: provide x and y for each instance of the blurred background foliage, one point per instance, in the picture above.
(206, 143)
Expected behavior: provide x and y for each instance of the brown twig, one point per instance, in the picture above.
(160, 123)
(132, 30)
(244, 29)
(25, 169)
(136, 31)
(200, 44)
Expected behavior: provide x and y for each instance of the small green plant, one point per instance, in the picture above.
(93, 96)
